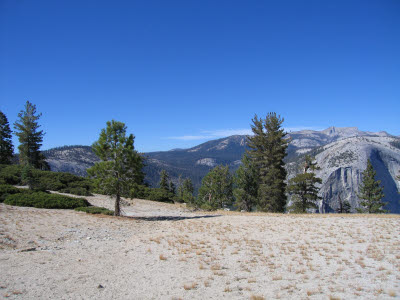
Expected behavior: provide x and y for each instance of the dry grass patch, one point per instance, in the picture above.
(190, 286)
(277, 277)
(227, 289)
(256, 297)
(216, 267)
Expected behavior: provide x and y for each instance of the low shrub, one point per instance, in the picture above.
(47, 180)
(6, 189)
(95, 210)
(63, 182)
(139, 191)
(45, 200)
(158, 194)
(207, 206)
(155, 194)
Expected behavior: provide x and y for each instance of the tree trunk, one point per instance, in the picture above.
(117, 210)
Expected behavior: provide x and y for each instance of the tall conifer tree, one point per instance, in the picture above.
(120, 168)
(303, 187)
(6, 146)
(216, 189)
(370, 192)
(185, 191)
(164, 180)
(267, 150)
(344, 206)
(246, 185)
(30, 137)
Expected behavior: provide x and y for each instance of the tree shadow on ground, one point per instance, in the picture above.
(171, 218)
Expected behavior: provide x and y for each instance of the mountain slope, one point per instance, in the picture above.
(341, 152)
(343, 162)
(72, 159)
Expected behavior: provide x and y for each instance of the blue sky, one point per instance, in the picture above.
(179, 73)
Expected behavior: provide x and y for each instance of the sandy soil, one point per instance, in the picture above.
(165, 251)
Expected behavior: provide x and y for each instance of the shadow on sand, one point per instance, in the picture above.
(171, 218)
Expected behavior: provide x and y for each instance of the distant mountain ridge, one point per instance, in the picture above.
(341, 153)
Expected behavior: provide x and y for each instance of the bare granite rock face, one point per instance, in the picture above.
(211, 162)
(342, 163)
(71, 159)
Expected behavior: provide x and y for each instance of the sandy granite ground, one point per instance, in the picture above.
(165, 251)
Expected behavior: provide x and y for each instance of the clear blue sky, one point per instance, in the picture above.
(181, 72)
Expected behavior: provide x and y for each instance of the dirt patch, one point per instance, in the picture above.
(165, 251)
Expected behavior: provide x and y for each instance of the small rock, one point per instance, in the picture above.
(88, 238)
(100, 286)
(28, 250)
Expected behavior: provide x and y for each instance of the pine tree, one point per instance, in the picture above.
(303, 187)
(344, 206)
(246, 185)
(30, 137)
(6, 146)
(172, 188)
(27, 177)
(185, 191)
(309, 164)
(216, 189)
(267, 150)
(164, 180)
(179, 187)
(120, 168)
(370, 192)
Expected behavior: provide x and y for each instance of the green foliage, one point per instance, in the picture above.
(46, 180)
(27, 177)
(164, 180)
(370, 192)
(154, 194)
(185, 191)
(6, 146)
(80, 191)
(30, 137)
(267, 150)
(95, 210)
(159, 194)
(216, 189)
(62, 182)
(303, 187)
(172, 188)
(10, 174)
(246, 185)
(344, 207)
(166, 185)
(6, 189)
(309, 163)
(138, 191)
(304, 192)
(121, 166)
(45, 200)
